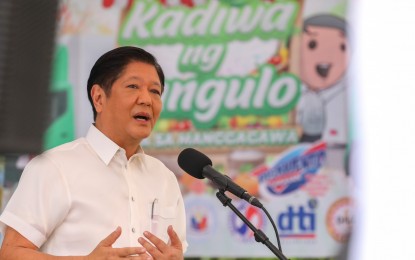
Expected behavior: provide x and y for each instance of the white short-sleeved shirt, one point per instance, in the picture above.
(73, 196)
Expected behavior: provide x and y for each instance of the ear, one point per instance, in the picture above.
(98, 97)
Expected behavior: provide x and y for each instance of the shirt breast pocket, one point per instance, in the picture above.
(161, 218)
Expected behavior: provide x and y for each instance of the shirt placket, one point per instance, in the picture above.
(134, 202)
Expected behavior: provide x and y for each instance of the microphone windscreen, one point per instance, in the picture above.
(192, 161)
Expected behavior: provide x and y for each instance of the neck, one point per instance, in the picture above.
(130, 150)
(131, 146)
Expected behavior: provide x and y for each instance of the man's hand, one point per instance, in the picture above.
(161, 250)
(104, 249)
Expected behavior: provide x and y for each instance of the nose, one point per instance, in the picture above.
(144, 97)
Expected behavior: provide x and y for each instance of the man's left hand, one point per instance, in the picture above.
(160, 250)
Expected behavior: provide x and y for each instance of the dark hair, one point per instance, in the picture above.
(326, 20)
(108, 68)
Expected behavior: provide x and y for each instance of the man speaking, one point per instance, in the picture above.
(101, 197)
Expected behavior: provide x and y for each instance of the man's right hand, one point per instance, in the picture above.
(15, 246)
(104, 250)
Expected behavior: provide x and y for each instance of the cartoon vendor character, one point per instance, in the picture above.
(321, 111)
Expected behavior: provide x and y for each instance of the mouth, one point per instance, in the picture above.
(142, 117)
(323, 69)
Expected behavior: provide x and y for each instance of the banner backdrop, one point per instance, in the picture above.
(259, 86)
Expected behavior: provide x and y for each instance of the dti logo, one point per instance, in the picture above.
(298, 222)
(253, 215)
(293, 169)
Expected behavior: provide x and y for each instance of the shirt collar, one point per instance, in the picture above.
(103, 146)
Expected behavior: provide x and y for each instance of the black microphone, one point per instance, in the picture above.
(199, 166)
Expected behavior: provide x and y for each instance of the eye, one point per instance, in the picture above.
(343, 47)
(132, 86)
(156, 91)
(312, 44)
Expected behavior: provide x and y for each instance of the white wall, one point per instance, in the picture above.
(384, 93)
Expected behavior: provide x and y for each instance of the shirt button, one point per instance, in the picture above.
(132, 199)
(133, 229)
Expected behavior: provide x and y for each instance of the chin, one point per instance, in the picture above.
(140, 134)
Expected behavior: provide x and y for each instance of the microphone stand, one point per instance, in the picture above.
(258, 234)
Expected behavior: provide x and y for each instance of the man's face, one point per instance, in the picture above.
(130, 112)
(324, 56)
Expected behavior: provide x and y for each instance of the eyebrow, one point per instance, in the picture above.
(310, 33)
(140, 79)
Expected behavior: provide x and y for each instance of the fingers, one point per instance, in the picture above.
(174, 238)
(104, 249)
(130, 251)
(160, 250)
(139, 257)
(111, 238)
(157, 242)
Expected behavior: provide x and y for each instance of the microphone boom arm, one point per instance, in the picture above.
(259, 235)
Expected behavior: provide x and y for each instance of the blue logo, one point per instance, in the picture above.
(298, 222)
(293, 169)
(200, 215)
(253, 214)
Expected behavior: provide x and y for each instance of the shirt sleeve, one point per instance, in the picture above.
(40, 202)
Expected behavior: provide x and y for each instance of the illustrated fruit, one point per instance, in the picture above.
(248, 182)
